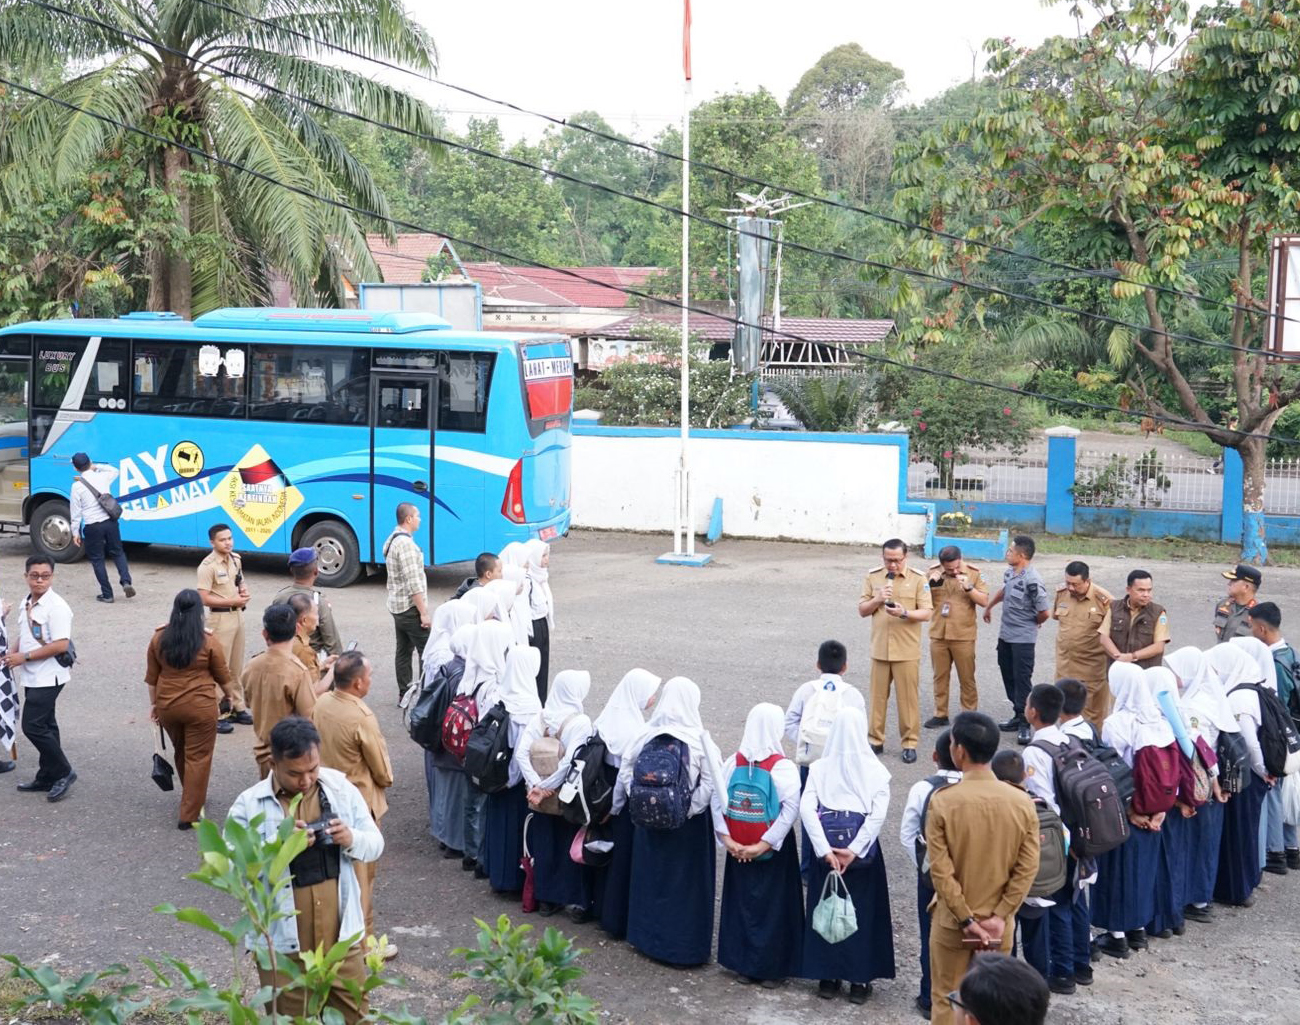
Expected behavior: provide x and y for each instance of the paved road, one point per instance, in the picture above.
(79, 878)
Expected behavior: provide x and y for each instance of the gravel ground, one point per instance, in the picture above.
(80, 877)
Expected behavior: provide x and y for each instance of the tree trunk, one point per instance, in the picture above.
(1254, 548)
(156, 265)
(180, 284)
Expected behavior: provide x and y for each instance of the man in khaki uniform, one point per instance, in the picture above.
(304, 568)
(276, 682)
(352, 743)
(1079, 610)
(1136, 629)
(956, 590)
(982, 838)
(222, 591)
(898, 600)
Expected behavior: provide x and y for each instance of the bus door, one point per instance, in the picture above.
(15, 481)
(401, 456)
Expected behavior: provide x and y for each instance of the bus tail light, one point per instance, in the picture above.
(512, 506)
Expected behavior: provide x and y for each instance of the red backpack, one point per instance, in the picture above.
(459, 723)
(752, 801)
(1156, 774)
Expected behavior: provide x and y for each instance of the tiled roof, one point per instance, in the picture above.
(557, 288)
(718, 329)
(403, 262)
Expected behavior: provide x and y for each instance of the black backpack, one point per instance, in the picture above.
(488, 751)
(430, 709)
(1278, 739)
(937, 783)
(1233, 757)
(1089, 797)
(586, 795)
(1120, 771)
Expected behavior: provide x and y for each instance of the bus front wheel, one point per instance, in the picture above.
(51, 530)
(337, 555)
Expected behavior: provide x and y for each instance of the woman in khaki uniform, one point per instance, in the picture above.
(185, 668)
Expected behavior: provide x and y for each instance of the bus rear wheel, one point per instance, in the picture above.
(51, 530)
(337, 555)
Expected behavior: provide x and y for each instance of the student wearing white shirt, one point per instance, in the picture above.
(93, 525)
(912, 831)
(44, 632)
(1282, 848)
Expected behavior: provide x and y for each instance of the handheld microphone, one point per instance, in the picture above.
(889, 603)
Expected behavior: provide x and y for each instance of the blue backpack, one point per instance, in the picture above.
(660, 795)
(752, 801)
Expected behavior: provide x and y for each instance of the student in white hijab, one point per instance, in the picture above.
(760, 929)
(1258, 652)
(448, 617)
(444, 775)
(489, 603)
(848, 784)
(1270, 819)
(671, 899)
(541, 605)
(510, 592)
(1135, 720)
(1234, 666)
(1200, 697)
(485, 666)
(506, 809)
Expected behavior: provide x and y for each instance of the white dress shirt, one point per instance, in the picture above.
(867, 834)
(910, 830)
(1040, 773)
(785, 777)
(49, 619)
(82, 505)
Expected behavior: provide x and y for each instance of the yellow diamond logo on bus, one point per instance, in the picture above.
(258, 496)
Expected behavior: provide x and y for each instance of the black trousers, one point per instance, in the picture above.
(105, 539)
(41, 729)
(1016, 661)
(411, 639)
(541, 640)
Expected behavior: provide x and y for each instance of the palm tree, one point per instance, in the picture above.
(151, 70)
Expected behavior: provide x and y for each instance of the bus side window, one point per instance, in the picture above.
(311, 384)
(189, 380)
(106, 388)
(463, 384)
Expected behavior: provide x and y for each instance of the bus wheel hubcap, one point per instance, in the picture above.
(329, 556)
(56, 533)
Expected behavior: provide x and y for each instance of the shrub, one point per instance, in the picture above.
(829, 401)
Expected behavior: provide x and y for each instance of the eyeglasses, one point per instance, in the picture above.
(954, 998)
(40, 576)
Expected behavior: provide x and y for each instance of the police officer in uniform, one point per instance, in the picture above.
(1230, 616)
(1136, 629)
(1081, 605)
(304, 568)
(221, 588)
(956, 589)
(897, 598)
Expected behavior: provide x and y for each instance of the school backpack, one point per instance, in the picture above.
(1234, 762)
(1155, 778)
(937, 783)
(544, 756)
(819, 712)
(488, 751)
(660, 794)
(1089, 798)
(1194, 787)
(1120, 771)
(587, 795)
(752, 802)
(1278, 739)
(462, 715)
(1052, 851)
(1284, 661)
(424, 722)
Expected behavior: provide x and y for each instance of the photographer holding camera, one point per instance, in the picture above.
(324, 894)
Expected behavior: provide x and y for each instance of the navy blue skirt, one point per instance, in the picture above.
(869, 953)
(1171, 872)
(1203, 852)
(557, 878)
(503, 838)
(671, 892)
(1124, 896)
(760, 928)
(615, 882)
(1239, 869)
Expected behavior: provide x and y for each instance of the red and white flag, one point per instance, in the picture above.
(686, 41)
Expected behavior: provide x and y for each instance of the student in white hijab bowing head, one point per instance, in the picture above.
(1123, 898)
(541, 603)
(620, 726)
(1263, 659)
(1206, 712)
(1172, 873)
(511, 592)
(443, 773)
(490, 604)
(543, 755)
(664, 781)
(506, 809)
(843, 809)
(755, 804)
(485, 668)
(448, 617)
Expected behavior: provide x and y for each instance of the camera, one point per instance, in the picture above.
(320, 830)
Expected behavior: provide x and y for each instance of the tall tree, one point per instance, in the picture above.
(145, 70)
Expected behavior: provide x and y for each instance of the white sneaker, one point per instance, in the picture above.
(390, 951)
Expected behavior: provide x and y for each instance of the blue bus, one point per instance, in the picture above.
(298, 427)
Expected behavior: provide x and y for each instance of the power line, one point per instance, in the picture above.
(747, 179)
(568, 272)
(654, 204)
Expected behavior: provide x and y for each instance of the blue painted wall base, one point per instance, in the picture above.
(715, 523)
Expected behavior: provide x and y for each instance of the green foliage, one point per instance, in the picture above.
(1098, 385)
(1124, 482)
(84, 998)
(832, 401)
(844, 78)
(530, 983)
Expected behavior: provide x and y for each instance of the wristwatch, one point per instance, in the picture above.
(967, 923)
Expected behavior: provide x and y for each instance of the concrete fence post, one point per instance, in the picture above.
(1233, 497)
(1058, 516)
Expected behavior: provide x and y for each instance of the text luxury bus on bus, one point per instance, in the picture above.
(299, 428)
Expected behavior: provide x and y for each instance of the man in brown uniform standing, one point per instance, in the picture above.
(276, 682)
(1080, 606)
(982, 837)
(221, 588)
(1136, 629)
(956, 590)
(898, 600)
(352, 743)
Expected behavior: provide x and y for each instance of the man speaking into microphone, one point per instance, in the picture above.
(897, 598)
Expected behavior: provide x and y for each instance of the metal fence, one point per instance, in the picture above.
(1282, 486)
(1148, 480)
(1021, 479)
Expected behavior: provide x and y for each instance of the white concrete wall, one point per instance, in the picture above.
(771, 486)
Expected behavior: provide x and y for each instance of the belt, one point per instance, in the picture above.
(227, 608)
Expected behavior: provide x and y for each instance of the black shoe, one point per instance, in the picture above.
(1113, 946)
(35, 787)
(1062, 984)
(827, 988)
(1024, 736)
(936, 721)
(922, 1008)
(451, 852)
(1247, 903)
(771, 983)
(468, 863)
(858, 992)
(1275, 863)
(878, 748)
(1083, 976)
(909, 755)
(59, 789)
(480, 872)
(1160, 934)
(107, 599)
(1292, 854)
(128, 590)
(1137, 939)
(577, 914)
(1179, 929)
(1194, 914)
(244, 718)
(1012, 724)
(7, 766)
(185, 825)
(225, 726)
(546, 909)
